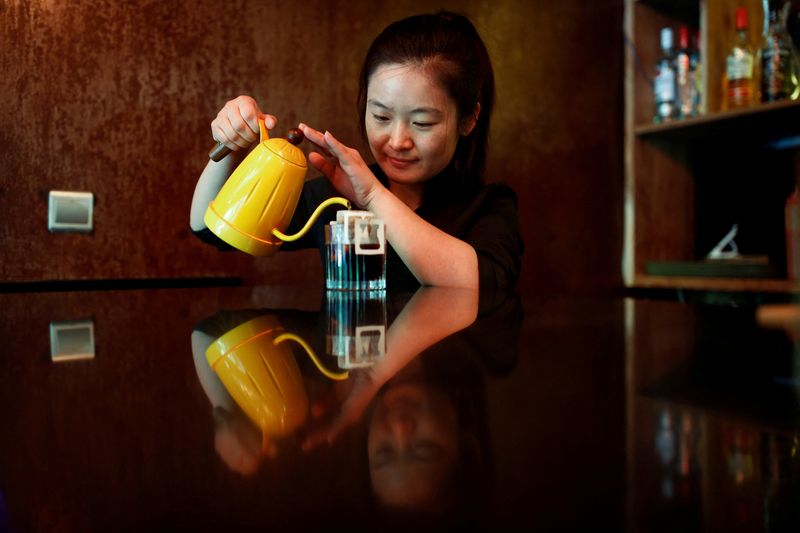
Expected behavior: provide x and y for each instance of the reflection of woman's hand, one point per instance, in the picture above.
(431, 315)
(343, 166)
(239, 444)
(342, 407)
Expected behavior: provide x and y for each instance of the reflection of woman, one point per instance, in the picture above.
(423, 405)
(239, 441)
(427, 442)
(427, 446)
(427, 436)
(236, 439)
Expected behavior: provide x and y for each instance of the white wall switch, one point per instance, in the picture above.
(70, 211)
(71, 340)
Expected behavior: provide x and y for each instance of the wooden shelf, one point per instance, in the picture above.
(770, 122)
(685, 10)
(716, 284)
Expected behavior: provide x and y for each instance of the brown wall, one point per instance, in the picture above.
(116, 98)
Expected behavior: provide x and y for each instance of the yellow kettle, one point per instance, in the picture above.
(261, 374)
(257, 202)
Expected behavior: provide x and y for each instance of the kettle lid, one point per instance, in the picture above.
(286, 151)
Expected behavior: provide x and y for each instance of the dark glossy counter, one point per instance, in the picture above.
(273, 407)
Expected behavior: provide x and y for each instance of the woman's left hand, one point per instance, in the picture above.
(344, 405)
(343, 166)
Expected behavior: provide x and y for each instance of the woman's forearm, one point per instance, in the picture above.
(433, 256)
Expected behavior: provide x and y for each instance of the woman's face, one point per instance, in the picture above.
(411, 123)
(412, 445)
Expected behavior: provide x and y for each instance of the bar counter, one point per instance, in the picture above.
(285, 408)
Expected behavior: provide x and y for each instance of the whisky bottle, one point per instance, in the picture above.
(685, 76)
(664, 89)
(740, 67)
(697, 68)
(776, 56)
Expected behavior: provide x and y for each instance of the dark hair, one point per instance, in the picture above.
(464, 70)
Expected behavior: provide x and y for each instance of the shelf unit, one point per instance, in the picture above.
(687, 182)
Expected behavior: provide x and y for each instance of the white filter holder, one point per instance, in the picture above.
(370, 236)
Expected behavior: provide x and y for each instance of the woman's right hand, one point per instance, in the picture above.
(236, 124)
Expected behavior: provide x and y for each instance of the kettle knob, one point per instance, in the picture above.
(295, 136)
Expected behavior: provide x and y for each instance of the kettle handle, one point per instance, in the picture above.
(219, 151)
(338, 376)
(317, 212)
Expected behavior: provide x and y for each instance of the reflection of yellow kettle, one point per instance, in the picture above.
(261, 374)
(257, 202)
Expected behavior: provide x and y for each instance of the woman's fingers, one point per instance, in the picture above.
(237, 130)
(322, 164)
(348, 158)
(237, 123)
(246, 108)
(317, 138)
(336, 148)
(231, 130)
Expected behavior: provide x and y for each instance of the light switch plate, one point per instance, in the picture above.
(71, 340)
(70, 211)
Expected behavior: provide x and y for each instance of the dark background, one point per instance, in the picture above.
(116, 98)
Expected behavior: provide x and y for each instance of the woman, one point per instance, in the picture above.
(426, 94)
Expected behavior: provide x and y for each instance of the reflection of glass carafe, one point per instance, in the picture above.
(356, 333)
(260, 372)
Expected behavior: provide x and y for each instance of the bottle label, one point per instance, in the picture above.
(664, 85)
(685, 86)
(740, 93)
(740, 65)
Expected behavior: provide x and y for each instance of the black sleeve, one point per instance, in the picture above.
(208, 237)
(496, 239)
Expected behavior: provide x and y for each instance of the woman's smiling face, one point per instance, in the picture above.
(411, 123)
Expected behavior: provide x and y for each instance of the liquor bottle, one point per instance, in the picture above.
(664, 82)
(740, 67)
(776, 56)
(684, 76)
(697, 67)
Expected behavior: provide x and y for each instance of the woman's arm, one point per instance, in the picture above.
(208, 185)
(433, 256)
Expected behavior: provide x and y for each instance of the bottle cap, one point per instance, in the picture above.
(741, 18)
(666, 38)
(684, 37)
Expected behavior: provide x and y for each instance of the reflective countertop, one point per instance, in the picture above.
(226, 408)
